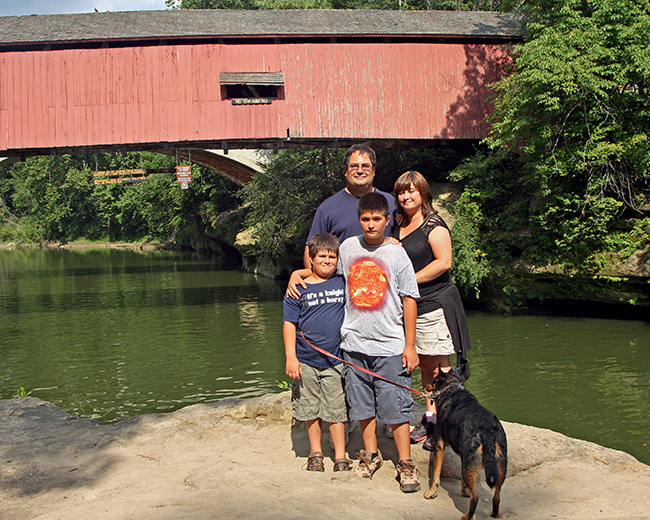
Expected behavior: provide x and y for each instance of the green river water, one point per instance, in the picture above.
(107, 334)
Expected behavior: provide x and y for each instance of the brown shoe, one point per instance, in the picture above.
(315, 462)
(342, 465)
(407, 476)
(368, 466)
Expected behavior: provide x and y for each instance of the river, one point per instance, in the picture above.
(108, 334)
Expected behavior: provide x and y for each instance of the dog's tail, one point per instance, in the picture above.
(494, 460)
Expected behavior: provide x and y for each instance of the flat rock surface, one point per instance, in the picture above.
(244, 459)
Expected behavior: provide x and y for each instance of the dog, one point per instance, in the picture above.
(473, 432)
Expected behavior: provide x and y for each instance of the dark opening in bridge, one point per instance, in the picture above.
(252, 85)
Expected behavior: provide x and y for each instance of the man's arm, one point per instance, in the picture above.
(306, 259)
(410, 358)
(292, 367)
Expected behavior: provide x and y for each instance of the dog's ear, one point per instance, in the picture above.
(456, 374)
(462, 366)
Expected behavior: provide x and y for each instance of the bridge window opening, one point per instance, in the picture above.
(252, 91)
(252, 87)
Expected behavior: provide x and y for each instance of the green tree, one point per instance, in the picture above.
(576, 105)
(54, 199)
(282, 200)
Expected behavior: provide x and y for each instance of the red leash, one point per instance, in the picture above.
(370, 372)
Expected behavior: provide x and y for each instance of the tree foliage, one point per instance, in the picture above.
(282, 200)
(576, 106)
(54, 199)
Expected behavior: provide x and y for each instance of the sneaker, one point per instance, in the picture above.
(315, 462)
(407, 476)
(429, 444)
(367, 466)
(423, 430)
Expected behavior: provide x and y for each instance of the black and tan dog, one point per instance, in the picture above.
(474, 433)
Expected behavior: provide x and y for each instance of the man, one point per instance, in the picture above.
(338, 214)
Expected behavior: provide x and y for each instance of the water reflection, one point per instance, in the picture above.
(583, 377)
(111, 334)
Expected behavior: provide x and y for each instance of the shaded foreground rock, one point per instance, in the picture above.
(244, 459)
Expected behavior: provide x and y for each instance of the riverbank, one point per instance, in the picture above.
(82, 245)
(242, 458)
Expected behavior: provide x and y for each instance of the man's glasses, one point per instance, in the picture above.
(366, 167)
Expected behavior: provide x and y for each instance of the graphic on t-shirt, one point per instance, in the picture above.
(368, 283)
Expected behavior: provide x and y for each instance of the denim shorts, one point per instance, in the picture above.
(369, 396)
(319, 394)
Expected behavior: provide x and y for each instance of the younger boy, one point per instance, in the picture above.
(378, 334)
(317, 391)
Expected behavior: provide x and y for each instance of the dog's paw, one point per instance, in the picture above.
(432, 493)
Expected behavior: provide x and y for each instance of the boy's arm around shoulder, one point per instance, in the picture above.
(410, 358)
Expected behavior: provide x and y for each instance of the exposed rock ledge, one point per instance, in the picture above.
(242, 459)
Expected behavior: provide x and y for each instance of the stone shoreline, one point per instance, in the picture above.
(82, 245)
(244, 459)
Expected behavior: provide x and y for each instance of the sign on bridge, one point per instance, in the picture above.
(184, 175)
(120, 176)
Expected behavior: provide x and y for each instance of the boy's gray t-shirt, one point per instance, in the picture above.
(376, 278)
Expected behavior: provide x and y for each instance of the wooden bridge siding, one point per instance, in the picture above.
(85, 97)
(390, 90)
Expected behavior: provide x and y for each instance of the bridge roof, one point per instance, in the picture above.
(142, 26)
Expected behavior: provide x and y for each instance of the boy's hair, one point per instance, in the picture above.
(361, 148)
(323, 241)
(374, 203)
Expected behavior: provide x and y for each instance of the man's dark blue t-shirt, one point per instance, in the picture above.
(338, 215)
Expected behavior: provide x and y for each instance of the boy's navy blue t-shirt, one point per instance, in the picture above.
(319, 314)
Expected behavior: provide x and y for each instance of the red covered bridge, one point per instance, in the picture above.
(205, 79)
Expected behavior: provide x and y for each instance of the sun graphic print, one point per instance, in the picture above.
(368, 283)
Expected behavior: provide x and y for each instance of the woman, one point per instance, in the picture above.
(441, 328)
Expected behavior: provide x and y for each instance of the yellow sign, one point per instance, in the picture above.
(119, 173)
(120, 180)
(120, 176)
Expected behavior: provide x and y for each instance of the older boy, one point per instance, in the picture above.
(317, 392)
(378, 333)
